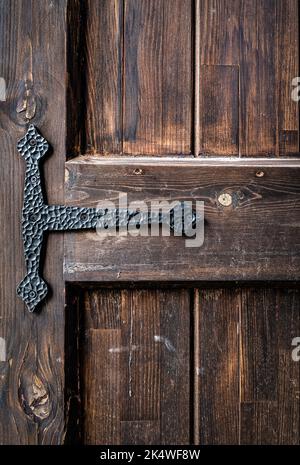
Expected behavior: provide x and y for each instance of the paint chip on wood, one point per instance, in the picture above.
(2, 350)
(2, 90)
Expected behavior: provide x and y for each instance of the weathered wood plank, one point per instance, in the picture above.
(219, 32)
(259, 349)
(140, 357)
(262, 38)
(259, 423)
(103, 29)
(219, 106)
(158, 89)
(217, 366)
(288, 412)
(287, 36)
(140, 432)
(102, 309)
(175, 347)
(135, 381)
(32, 401)
(254, 238)
(270, 378)
(101, 386)
(258, 78)
(288, 302)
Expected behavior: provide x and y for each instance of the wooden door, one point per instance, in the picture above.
(142, 340)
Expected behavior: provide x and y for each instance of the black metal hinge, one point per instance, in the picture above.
(38, 217)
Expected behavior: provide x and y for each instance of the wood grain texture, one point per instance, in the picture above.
(140, 432)
(109, 318)
(32, 405)
(259, 423)
(258, 78)
(132, 64)
(259, 349)
(103, 29)
(135, 373)
(219, 110)
(158, 89)
(262, 39)
(122, 371)
(101, 387)
(248, 388)
(270, 402)
(218, 366)
(256, 238)
(141, 382)
(288, 372)
(287, 68)
(175, 347)
(219, 32)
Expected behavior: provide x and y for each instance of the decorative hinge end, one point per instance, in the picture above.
(32, 290)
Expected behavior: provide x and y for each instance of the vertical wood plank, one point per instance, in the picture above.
(197, 94)
(288, 301)
(262, 38)
(140, 432)
(287, 69)
(32, 58)
(101, 387)
(219, 110)
(103, 27)
(140, 358)
(174, 341)
(219, 32)
(218, 366)
(259, 351)
(158, 78)
(270, 379)
(258, 91)
(146, 355)
(102, 309)
(288, 412)
(259, 423)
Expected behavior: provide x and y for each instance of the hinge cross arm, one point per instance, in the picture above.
(38, 218)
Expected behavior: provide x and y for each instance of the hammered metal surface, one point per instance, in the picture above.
(38, 217)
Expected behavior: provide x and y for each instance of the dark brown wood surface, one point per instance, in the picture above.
(260, 38)
(134, 63)
(217, 366)
(142, 360)
(32, 35)
(248, 384)
(138, 358)
(255, 238)
(135, 363)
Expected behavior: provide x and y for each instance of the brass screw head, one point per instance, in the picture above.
(225, 199)
(259, 174)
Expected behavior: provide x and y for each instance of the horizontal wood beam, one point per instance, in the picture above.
(254, 238)
(183, 161)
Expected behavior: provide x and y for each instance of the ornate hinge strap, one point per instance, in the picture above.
(38, 217)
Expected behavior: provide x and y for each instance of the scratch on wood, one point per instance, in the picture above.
(119, 350)
(2, 350)
(2, 90)
(164, 340)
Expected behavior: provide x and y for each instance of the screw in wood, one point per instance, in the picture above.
(138, 171)
(259, 174)
(225, 199)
